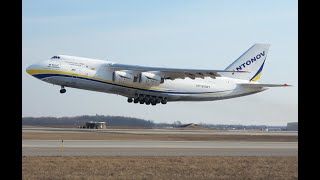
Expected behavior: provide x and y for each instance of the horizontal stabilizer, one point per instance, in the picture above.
(252, 85)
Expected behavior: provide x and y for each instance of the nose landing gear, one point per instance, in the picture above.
(62, 90)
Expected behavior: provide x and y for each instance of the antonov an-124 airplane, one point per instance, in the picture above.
(154, 85)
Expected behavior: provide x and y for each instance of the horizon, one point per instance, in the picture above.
(158, 122)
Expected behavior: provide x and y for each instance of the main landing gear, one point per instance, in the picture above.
(62, 90)
(147, 99)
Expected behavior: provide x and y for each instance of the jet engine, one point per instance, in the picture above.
(150, 79)
(122, 77)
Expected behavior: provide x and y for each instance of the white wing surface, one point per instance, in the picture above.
(173, 73)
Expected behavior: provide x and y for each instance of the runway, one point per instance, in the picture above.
(156, 148)
(157, 131)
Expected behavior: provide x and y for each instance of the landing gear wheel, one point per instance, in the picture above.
(164, 101)
(63, 91)
(140, 98)
(130, 100)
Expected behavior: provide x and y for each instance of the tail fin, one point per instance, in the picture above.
(252, 61)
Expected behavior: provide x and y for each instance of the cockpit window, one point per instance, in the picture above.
(55, 57)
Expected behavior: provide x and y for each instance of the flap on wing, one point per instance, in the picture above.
(173, 73)
(252, 85)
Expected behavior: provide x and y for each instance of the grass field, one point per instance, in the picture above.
(163, 137)
(160, 168)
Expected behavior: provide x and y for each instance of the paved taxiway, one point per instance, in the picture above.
(156, 148)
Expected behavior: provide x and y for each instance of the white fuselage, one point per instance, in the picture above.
(96, 75)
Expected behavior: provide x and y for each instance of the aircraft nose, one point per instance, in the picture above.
(34, 68)
(30, 68)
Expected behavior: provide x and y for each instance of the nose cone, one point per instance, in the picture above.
(34, 68)
(30, 68)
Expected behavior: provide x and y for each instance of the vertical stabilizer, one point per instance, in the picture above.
(252, 61)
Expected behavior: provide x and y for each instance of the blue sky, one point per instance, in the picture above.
(181, 34)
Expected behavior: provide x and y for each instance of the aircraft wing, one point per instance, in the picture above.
(173, 73)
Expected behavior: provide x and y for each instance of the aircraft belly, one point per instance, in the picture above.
(219, 96)
(79, 83)
(203, 97)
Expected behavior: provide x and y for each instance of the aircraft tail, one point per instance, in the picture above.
(252, 61)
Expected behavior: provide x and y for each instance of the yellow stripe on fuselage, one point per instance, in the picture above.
(49, 71)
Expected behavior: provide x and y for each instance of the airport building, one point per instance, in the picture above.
(95, 125)
(293, 126)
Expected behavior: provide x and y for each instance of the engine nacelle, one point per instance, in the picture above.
(122, 77)
(150, 79)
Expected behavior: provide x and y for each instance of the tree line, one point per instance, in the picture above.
(81, 120)
(127, 121)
